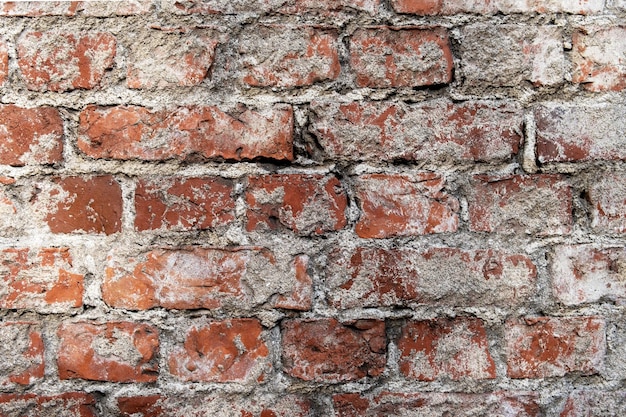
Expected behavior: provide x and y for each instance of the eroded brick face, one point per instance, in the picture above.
(64, 61)
(594, 403)
(488, 7)
(394, 57)
(71, 404)
(290, 7)
(326, 350)
(607, 197)
(22, 354)
(598, 57)
(4, 62)
(132, 132)
(115, 352)
(221, 351)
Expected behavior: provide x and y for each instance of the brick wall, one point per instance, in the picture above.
(262, 208)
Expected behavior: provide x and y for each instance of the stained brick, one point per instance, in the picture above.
(585, 274)
(403, 205)
(544, 347)
(283, 56)
(4, 62)
(71, 404)
(525, 54)
(385, 404)
(132, 132)
(598, 57)
(572, 133)
(39, 279)
(166, 59)
(607, 197)
(436, 130)
(445, 348)
(22, 352)
(64, 61)
(325, 350)
(532, 204)
(376, 277)
(192, 278)
(394, 57)
(221, 351)
(30, 136)
(306, 204)
(113, 351)
(183, 203)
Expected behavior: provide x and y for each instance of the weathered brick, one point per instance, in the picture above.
(70, 404)
(387, 404)
(287, 7)
(39, 8)
(284, 56)
(596, 403)
(376, 277)
(396, 57)
(39, 279)
(445, 348)
(440, 130)
(183, 203)
(64, 61)
(22, 353)
(607, 197)
(162, 59)
(403, 205)
(132, 132)
(530, 204)
(584, 274)
(544, 347)
(73, 204)
(325, 350)
(599, 57)
(571, 133)
(221, 351)
(306, 204)
(30, 136)
(104, 8)
(524, 54)
(283, 405)
(113, 351)
(450, 7)
(193, 278)
(4, 62)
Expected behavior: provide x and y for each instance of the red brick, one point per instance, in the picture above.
(164, 59)
(183, 203)
(375, 277)
(544, 347)
(524, 54)
(64, 61)
(306, 204)
(282, 405)
(310, 56)
(572, 133)
(221, 351)
(131, 132)
(402, 205)
(440, 130)
(289, 7)
(91, 205)
(113, 351)
(4, 62)
(22, 353)
(436, 404)
(30, 136)
(39, 279)
(395, 57)
(595, 403)
(450, 7)
(530, 204)
(325, 350)
(584, 274)
(39, 8)
(193, 278)
(445, 348)
(607, 197)
(71, 404)
(598, 57)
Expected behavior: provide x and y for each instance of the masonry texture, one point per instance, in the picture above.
(312, 208)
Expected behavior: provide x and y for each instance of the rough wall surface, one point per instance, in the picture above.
(261, 208)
